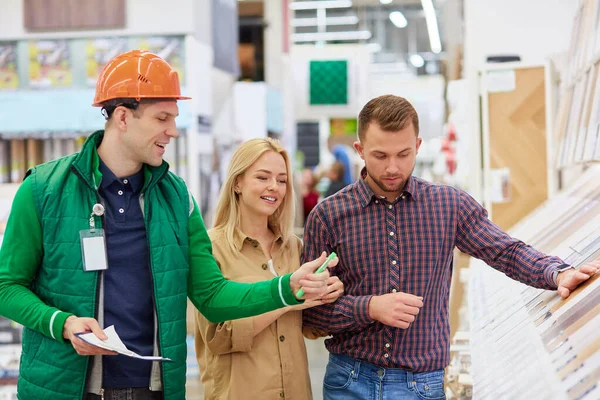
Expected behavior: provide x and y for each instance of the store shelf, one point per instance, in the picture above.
(577, 121)
(552, 343)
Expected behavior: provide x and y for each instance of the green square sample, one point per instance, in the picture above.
(328, 82)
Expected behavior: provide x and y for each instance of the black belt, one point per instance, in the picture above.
(125, 394)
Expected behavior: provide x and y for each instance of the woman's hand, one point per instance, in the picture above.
(314, 285)
(335, 288)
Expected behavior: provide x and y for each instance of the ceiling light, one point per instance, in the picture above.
(398, 19)
(431, 68)
(311, 5)
(349, 20)
(432, 26)
(385, 1)
(327, 36)
(417, 60)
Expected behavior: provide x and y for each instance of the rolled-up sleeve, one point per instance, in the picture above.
(225, 337)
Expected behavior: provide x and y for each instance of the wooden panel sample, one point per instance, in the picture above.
(49, 15)
(35, 152)
(518, 142)
(17, 160)
(585, 115)
(251, 9)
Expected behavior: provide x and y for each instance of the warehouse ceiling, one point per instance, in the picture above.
(403, 38)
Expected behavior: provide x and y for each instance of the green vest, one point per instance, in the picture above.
(64, 192)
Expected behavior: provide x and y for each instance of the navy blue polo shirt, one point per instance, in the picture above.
(128, 288)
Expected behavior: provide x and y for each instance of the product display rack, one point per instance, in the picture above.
(577, 123)
(514, 141)
(530, 343)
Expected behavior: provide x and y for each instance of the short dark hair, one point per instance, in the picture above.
(108, 107)
(390, 112)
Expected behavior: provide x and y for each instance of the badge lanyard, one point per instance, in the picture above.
(93, 243)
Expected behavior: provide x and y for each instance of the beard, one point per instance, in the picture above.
(390, 188)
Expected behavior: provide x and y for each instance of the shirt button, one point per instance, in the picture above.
(264, 266)
(390, 206)
(376, 201)
(403, 197)
(394, 262)
(121, 211)
(394, 290)
(120, 192)
(125, 181)
(387, 345)
(386, 355)
(281, 338)
(391, 233)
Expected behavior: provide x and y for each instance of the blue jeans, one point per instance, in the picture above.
(347, 378)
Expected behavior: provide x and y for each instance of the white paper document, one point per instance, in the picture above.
(114, 343)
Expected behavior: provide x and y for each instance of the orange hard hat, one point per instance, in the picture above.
(137, 74)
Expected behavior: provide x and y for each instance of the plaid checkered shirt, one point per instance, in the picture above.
(406, 246)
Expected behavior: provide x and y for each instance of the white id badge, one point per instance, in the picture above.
(93, 250)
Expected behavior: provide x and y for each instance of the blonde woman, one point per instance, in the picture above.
(262, 357)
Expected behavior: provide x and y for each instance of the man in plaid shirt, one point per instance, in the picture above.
(395, 235)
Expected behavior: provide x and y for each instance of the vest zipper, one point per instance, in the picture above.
(162, 383)
(101, 201)
(158, 346)
(98, 276)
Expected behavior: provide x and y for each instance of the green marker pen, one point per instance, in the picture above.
(330, 257)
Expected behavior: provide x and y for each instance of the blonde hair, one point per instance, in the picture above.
(227, 216)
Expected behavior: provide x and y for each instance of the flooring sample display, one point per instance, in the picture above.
(554, 343)
(517, 141)
(578, 134)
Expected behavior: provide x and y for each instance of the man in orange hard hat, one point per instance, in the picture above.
(109, 237)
